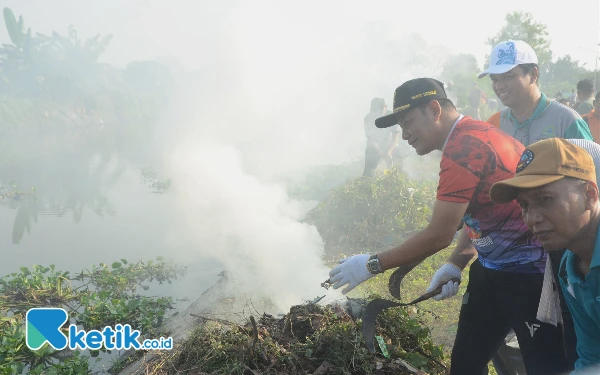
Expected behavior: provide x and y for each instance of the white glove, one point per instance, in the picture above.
(351, 271)
(442, 276)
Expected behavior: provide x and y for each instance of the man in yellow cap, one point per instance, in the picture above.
(556, 187)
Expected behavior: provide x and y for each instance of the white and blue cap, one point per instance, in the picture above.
(506, 55)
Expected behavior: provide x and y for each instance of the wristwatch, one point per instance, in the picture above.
(373, 265)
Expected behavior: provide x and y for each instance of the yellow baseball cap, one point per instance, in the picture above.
(544, 162)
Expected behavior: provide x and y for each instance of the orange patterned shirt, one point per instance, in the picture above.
(476, 156)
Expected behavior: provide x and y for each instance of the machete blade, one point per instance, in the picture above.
(397, 277)
(370, 318)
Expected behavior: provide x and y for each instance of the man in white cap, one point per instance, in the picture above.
(530, 116)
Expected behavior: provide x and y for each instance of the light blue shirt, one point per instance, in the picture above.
(584, 323)
(582, 295)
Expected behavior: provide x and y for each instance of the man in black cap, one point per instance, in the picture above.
(505, 282)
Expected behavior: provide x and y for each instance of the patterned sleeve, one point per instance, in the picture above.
(464, 163)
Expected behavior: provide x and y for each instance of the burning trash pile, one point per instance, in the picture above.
(310, 339)
(316, 338)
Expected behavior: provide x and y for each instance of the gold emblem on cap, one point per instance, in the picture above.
(401, 108)
(427, 93)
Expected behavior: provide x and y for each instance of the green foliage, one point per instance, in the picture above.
(565, 69)
(563, 76)
(75, 365)
(55, 83)
(94, 299)
(373, 214)
(151, 178)
(122, 362)
(50, 67)
(321, 180)
(461, 70)
(60, 107)
(15, 29)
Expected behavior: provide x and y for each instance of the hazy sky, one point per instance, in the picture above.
(301, 72)
(187, 29)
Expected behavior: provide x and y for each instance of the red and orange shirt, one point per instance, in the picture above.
(477, 155)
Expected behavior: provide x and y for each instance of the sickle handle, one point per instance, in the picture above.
(434, 292)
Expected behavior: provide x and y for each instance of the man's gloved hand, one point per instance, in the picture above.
(351, 271)
(443, 275)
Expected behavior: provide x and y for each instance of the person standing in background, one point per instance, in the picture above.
(476, 99)
(585, 97)
(573, 98)
(451, 93)
(380, 142)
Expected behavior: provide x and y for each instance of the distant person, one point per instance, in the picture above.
(476, 99)
(585, 96)
(490, 108)
(492, 105)
(530, 116)
(593, 119)
(380, 142)
(573, 98)
(451, 92)
(501, 107)
(565, 102)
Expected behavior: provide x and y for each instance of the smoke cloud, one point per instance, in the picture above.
(277, 100)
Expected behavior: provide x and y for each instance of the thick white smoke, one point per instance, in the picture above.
(247, 225)
(273, 98)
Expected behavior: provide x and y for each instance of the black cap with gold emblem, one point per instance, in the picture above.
(412, 94)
